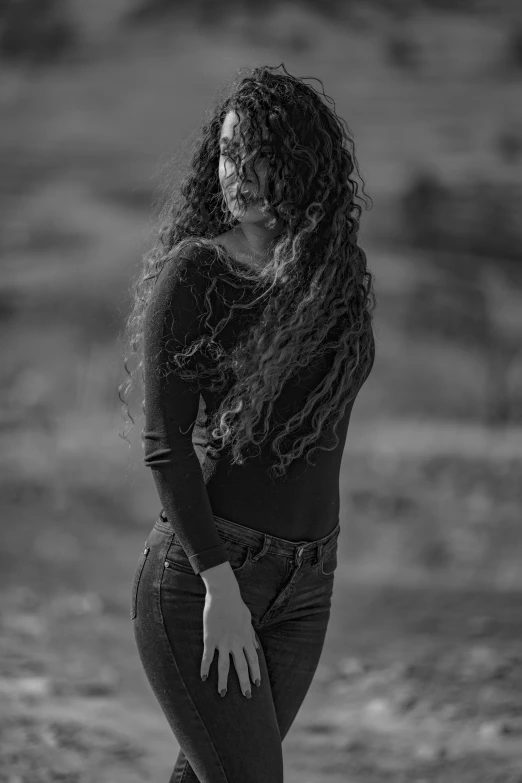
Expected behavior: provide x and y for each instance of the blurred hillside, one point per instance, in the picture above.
(99, 100)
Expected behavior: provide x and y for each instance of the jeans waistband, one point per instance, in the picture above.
(265, 542)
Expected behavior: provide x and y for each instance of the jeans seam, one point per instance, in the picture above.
(136, 582)
(185, 768)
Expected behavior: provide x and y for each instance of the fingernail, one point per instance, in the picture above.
(258, 682)
(204, 677)
(222, 692)
(248, 694)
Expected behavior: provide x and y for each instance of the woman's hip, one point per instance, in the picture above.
(275, 576)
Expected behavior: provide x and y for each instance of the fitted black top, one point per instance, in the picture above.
(192, 484)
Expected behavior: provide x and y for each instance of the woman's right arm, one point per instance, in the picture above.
(173, 318)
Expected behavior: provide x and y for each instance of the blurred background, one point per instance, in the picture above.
(422, 663)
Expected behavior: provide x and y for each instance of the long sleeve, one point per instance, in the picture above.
(172, 320)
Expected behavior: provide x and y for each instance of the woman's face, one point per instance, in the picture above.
(227, 174)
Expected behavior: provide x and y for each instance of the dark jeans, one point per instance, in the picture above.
(288, 588)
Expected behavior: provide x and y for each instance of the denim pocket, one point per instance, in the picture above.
(136, 581)
(328, 562)
(239, 556)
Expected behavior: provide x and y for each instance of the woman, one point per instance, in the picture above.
(255, 308)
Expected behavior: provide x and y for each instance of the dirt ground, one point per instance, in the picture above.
(416, 683)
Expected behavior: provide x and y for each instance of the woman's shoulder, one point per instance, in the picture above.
(180, 289)
(188, 265)
(193, 253)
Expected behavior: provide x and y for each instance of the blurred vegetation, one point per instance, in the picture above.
(479, 218)
(471, 235)
(35, 31)
(331, 8)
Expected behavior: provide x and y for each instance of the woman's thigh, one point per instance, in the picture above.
(290, 649)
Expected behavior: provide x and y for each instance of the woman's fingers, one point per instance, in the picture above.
(242, 671)
(208, 655)
(223, 669)
(246, 663)
(253, 663)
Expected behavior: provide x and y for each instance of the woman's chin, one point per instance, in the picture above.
(250, 215)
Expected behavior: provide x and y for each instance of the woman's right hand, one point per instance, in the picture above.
(227, 627)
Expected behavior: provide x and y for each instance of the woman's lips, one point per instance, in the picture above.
(247, 187)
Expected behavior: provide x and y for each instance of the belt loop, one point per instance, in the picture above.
(266, 543)
(320, 553)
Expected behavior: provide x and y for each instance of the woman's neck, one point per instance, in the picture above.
(255, 241)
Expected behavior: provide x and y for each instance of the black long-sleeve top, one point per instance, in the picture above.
(192, 484)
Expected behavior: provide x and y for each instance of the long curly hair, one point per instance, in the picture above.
(315, 290)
